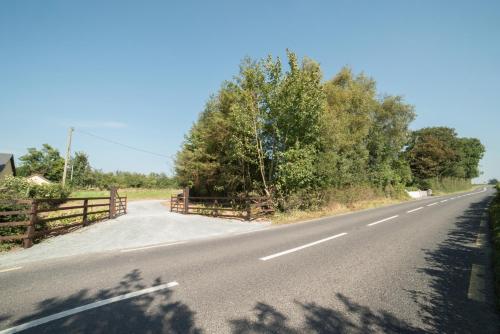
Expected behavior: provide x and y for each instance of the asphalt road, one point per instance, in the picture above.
(408, 268)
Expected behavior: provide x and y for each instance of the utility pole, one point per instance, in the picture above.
(68, 152)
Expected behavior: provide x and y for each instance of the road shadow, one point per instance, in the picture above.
(156, 312)
(447, 308)
(349, 317)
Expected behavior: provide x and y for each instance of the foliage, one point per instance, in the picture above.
(81, 172)
(120, 179)
(287, 134)
(19, 188)
(447, 184)
(131, 193)
(364, 136)
(46, 162)
(493, 181)
(437, 152)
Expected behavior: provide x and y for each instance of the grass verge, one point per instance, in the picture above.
(333, 209)
(337, 208)
(494, 211)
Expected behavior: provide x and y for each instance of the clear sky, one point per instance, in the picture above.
(139, 72)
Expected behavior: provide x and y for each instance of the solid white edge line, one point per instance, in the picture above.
(419, 208)
(383, 220)
(432, 204)
(269, 257)
(152, 246)
(83, 308)
(10, 269)
(477, 283)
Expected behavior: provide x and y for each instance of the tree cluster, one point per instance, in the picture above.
(437, 152)
(49, 163)
(285, 133)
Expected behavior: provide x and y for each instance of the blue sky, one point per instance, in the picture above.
(139, 72)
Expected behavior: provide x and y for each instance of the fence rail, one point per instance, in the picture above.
(234, 207)
(30, 219)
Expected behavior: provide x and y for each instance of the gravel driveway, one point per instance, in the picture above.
(146, 223)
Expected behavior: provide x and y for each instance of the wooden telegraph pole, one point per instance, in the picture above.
(68, 152)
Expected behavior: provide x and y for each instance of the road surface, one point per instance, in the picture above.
(420, 266)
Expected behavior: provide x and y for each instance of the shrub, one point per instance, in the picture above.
(15, 188)
(447, 184)
(20, 188)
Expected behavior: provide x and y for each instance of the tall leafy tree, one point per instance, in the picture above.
(264, 119)
(81, 171)
(438, 152)
(471, 153)
(281, 131)
(47, 162)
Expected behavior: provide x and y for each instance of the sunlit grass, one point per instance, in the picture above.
(331, 210)
(133, 194)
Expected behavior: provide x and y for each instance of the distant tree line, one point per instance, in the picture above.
(288, 134)
(49, 163)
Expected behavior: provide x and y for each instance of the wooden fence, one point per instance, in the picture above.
(232, 207)
(36, 216)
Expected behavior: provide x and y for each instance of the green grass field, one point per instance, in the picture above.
(133, 194)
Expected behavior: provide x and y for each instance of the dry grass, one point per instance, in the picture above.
(333, 209)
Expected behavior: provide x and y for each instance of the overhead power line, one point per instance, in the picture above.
(124, 145)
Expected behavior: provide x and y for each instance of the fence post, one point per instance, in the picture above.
(30, 232)
(125, 211)
(186, 200)
(85, 211)
(112, 202)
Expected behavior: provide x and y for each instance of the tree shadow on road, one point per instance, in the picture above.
(148, 313)
(447, 309)
(349, 317)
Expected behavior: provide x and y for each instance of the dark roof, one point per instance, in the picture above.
(6, 158)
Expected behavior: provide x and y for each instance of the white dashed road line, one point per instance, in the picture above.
(383, 220)
(419, 208)
(269, 257)
(10, 269)
(432, 204)
(477, 283)
(83, 308)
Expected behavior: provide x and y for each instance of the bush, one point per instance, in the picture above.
(20, 188)
(15, 188)
(348, 196)
(447, 184)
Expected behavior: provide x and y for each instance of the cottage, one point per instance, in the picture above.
(7, 167)
(37, 179)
